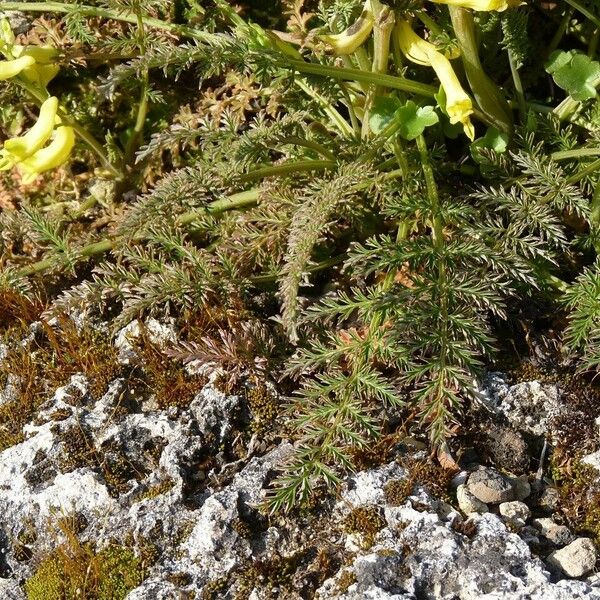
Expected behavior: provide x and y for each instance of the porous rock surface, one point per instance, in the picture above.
(528, 406)
(176, 490)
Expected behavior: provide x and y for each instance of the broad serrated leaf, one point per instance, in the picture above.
(415, 119)
(575, 73)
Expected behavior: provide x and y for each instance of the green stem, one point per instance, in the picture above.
(142, 110)
(382, 31)
(240, 200)
(292, 166)
(560, 32)
(584, 11)
(87, 251)
(93, 11)
(329, 109)
(591, 168)
(514, 69)
(235, 201)
(351, 111)
(321, 266)
(595, 206)
(400, 155)
(310, 144)
(390, 81)
(569, 105)
(432, 194)
(437, 407)
(578, 153)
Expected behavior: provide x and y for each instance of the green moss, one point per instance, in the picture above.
(73, 573)
(214, 589)
(157, 490)
(264, 407)
(579, 496)
(396, 491)
(346, 579)
(366, 520)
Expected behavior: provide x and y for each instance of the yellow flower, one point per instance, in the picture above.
(483, 5)
(29, 152)
(43, 71)
(11, 68)
(20, 148)
(458, 104)
(50, 157)
(34, 63)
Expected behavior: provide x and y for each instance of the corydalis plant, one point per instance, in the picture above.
(340, 192)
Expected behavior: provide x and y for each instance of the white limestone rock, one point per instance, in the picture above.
(468, 503)
(516, 513)
(577, 559)
(528, 406)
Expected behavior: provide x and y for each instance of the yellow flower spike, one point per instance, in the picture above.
(483, 5)
(50, 157)
(354, 36)
(11, 68)
(21, 148)
(41, 54)
(41, 74)
(458, 104)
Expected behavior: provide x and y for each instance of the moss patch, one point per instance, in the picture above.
(366, 520)
(75, 571)
(579, 497)
(36, 370)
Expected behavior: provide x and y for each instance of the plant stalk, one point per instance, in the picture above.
(390, 81)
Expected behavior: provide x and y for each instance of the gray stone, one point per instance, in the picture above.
(576, 559)
(468, 503)
(593, 460)
(489, 486)
(10, 590)
(427, 559)
(522, 487)
(559, 535)
(549, 500)
(515, 512)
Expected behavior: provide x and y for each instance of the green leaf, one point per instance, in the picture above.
(575, 73)
(493, 139)
(383, 112)
(413, 119)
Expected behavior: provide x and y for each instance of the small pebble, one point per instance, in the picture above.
(559, 535)
(490, 487)
(515, 512)
(468, 503)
